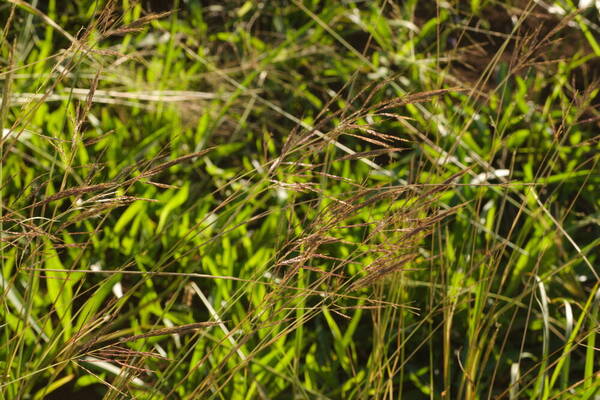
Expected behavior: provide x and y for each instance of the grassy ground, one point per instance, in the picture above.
(299, 199)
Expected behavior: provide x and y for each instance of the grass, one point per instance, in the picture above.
(305, 199)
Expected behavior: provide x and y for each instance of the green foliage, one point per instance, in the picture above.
(305, 199)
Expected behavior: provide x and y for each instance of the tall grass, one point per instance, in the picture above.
(299, 200)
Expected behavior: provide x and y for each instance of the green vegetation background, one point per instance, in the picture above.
(299, 199)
